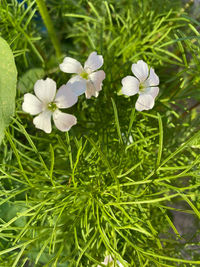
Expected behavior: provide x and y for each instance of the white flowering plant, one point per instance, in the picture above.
(99, 133)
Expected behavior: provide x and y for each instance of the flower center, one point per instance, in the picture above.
(142, 87)
(52, 106)
(84, 75)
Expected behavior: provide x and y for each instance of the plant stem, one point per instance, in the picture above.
(49, 25)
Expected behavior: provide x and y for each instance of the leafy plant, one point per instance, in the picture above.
(8, 80)
(112, 184)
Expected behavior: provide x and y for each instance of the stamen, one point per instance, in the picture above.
(142, 87)
(84, 75)
(52, 106)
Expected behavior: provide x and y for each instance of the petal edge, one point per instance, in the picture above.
(65, 97)
(130, 85)
(140, 70)
(45, 90)
(144, 102)
(43, 121)
(153, 79)
(93, 62)
(64, 121)
(31, 104)
(71, 65)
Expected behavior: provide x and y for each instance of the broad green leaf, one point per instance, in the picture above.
(27, 81)
(8, 80)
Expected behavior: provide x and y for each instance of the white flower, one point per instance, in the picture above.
(145, 84)
(91, 80)
(109, 262)
(47, 102)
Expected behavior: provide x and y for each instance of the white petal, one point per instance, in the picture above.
(119, 264)
(130, 85)
(97, 78)
(43, 121)
(77, 84)
(144, 102)
(108, 259)
(63, 121)
(153, 78)
(93, 62)
(91, 90)
(31, 104)
(153, 91)
(65, 97)
(71, 65)
(45, 90)
(140, 70)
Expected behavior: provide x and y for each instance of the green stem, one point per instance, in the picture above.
(49, 25)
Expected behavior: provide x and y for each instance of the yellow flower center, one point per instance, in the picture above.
(142, 87)
(52, 106)
(84, 75)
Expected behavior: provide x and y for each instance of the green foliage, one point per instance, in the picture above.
(28, 79)
(18, 27)
(98, 196)
(110, 185)
(8, 80)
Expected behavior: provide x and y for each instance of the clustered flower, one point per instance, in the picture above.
(90, 79)
(46, 103)
(144, 83)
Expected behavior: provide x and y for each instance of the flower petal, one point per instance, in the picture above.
(108, 259)
(71, 65)
(140, 70)
(94, 83)
(144, 102)
(153, 91)
(45, 90)
(65, 97)
(94, 86)
(63, 121)
(153, 78)
(77, 84)
(31, 104)
(93, 62)
(43, 121)
(130, 85)
(91, 90)
(119, 264)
